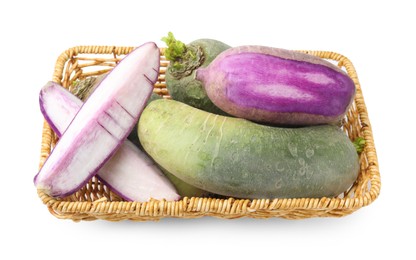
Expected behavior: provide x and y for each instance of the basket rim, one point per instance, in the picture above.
(222, 208)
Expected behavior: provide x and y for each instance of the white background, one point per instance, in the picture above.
(378, 38)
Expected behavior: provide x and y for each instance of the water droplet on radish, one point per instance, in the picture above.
(293, 149)
(279, 167)
(278, 184)
(309, 153)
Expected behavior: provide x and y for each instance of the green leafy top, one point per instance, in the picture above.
(359, 143)
(184, 58)
(176, 49)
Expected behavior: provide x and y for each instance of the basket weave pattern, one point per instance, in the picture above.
(96, 201)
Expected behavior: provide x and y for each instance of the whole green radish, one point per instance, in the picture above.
(238, 158)
(184, 61)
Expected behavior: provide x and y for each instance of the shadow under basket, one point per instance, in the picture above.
(96, 201)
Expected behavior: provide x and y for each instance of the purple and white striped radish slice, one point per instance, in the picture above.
(130, 173)
(102, 124)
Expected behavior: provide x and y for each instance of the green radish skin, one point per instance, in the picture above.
(238, 158)
(180, 74)
(133, 137)
(184, 189)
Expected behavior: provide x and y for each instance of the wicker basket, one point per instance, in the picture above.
(96, 201)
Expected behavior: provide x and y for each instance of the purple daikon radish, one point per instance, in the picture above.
(102, 124)
(277, 86)
(130, 173)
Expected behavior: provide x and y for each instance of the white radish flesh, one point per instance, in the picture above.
(130, 173)
(102, 124)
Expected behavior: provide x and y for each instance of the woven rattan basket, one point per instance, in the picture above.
(96, 201)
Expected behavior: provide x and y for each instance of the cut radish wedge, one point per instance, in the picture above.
(102, 124)
(130, 173)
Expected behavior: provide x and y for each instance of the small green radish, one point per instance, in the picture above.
(184, 61)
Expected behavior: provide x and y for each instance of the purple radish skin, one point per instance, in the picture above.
(277, 86)
(102, 124)
(130, 173)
